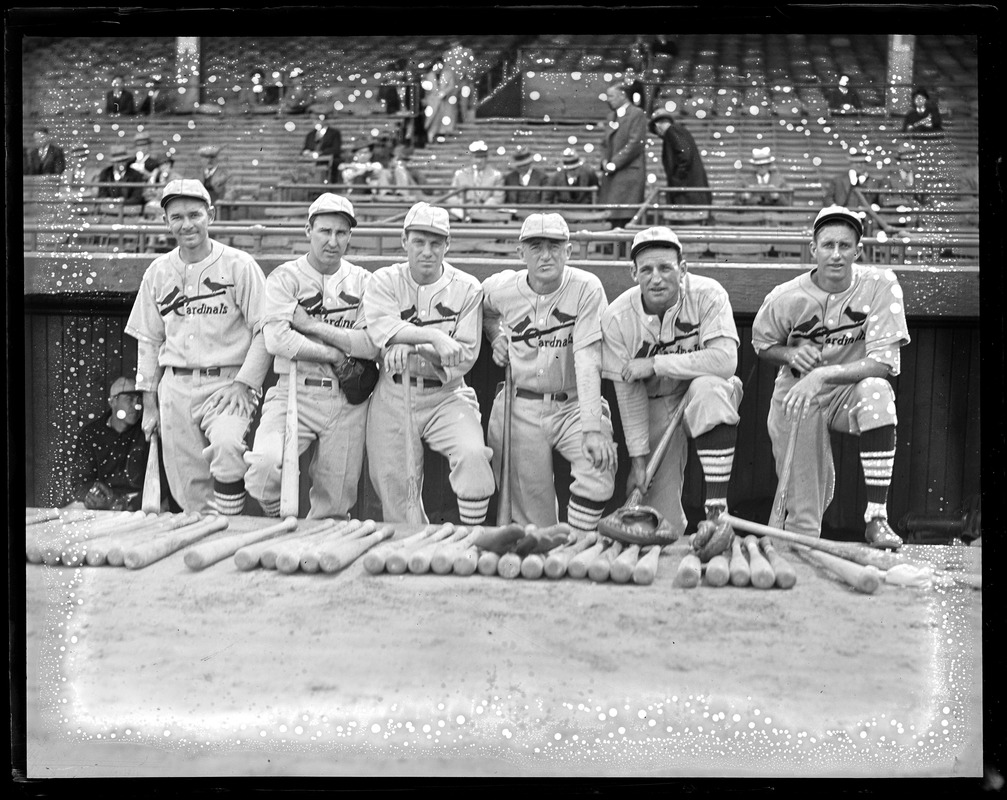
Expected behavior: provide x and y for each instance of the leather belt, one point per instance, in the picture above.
(209, 372)
(419, 381)
(528, 394)
(325, 383)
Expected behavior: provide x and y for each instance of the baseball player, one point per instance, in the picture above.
(312, 313)
(200, 365)
(670, 340)
(835, 333)
(545, 321)
(430, 313)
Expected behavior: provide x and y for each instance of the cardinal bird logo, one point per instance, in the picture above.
(313, 304)
(855, 316)
(563, 317)
(408, 314)
(444, 311)
(172, 301)
(686, 327)
(352, 301)
(213, 286)
(805, 327)
(522, 325)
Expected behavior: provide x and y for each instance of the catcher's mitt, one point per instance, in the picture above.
(357, 378)
(711, 539)
(640, 525)
(102, 497)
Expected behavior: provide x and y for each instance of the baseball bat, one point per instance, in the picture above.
(558, 560)
(144, 555)
(311, 556)
(72, 551)
(741, 572)
(503, 500)
(466, 562)
(96, 550)
(717, 571)
(763, 576)
(443, 558)
(414, 500)
(45, 537)
(35, 516)
(374, 561)
(509, 565)
(397, 561)
(340, 555)
(786, 577)
(779, 511)
(273, 549)
(646, 567)
(487, 563)
(290, 471)
(289, 556)
(250, 550)
(116, 553)
(151, 502)
(206, 554)
(421, 558)
(532, 566)
(689, 572)
(601, 567)
(625, 563)
(863, 579)
(578, 566)
(500, 539)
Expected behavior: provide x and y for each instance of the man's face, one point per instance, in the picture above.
(328, 238)
(835, 247)
(920, 102)
(615, 97)
(41, 139)
(425, 252)
(117, 85)
(189, 220)
(658, 271)
(661, 126)
(127, 407)
(480, 160)
(545, 258)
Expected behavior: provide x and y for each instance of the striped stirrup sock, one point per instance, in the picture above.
(584, 515)
(715, 449)
(270, 509)
(473, 512)
(877, 457)
(229, 498)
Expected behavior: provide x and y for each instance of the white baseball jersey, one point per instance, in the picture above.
(545, 330)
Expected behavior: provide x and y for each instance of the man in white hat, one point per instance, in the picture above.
(313, 314)
(573, 174)
(671, 341)
(764, 186)
(479, 174)
(201, 358)
(545, 321)
(428, 313)
(835, 333)
(213, 176)
(526, 173)
(119, 179)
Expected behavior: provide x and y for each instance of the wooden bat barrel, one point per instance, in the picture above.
(763, 576)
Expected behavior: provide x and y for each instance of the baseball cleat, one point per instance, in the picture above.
(880, 534)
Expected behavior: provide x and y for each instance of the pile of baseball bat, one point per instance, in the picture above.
(133, 539)
(751, 562)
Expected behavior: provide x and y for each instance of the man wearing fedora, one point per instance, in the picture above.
(213, 176)
(46, 158)
(142, 161)
(524, 172)
(854, 188)
(361, 170)
(623, 156)
(119, 100)
(326, 142)
(481, 175)
(764, 186)
(683, 165)
(573, 175)
(119, 179)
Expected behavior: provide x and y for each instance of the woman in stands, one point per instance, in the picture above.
(924, 116)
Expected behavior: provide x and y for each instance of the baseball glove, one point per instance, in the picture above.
(102, 497)
(711, 539)
(357, 378)
(640, 525)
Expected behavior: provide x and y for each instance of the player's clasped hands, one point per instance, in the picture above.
(638, 369)
(803, 394)
(451, 352)
(600, 449)
(804, 358)
(396, 357)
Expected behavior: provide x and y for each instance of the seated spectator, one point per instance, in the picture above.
(120, 172)
(906, 182)
(297, 98)
(924, 116)
(401, 173)
(119, 100)
(851, 189)
(213, 176)
(142, 160)
(362, 171)
(844, 97)
(108, 457)
(524, 172)
(158, 98)
(478, 174)
(762, 177)
(572, 174)
(325, 141)
(45, 158)
(162, 173)
(683, 165)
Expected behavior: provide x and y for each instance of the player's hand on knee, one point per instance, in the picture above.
(803, 396)
(236, 398)
(804, 358)
(638, 369)
(501, 351)
(600, 450)
(396, 357)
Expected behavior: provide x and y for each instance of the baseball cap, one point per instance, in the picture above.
(839, 214)
(479, 146)
(653, 237)
(142, 137)
(544, 226)
(209, 150)
(425, 217)
(185, 187)
(330, 203)
(122, 385)
(662, 113)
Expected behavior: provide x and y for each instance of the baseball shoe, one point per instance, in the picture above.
(880, 534)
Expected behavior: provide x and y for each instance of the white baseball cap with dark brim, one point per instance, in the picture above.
(330, 203)
(185, 187)
(839, 214)
(122, 385)
(425, 217)
(544, 226)
(655, 237)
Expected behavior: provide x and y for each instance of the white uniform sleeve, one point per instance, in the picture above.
(887, 330)
(256, 364)
(587, 363)
(634, 412)
(615, 349)
(361, 345)
(770, 326)
(719, 359)
(468, 333)
(492, 318)
(381, 309)
(146, 325)
(587, 328)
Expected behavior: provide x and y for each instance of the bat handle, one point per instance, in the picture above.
(780, 501)
(504, 500)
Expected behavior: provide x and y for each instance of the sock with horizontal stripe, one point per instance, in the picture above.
(877, 457)
(473, 512)
(270, 508)
(715, 449)
(583, 515)
(229, 498)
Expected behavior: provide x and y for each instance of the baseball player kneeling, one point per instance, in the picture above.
(313, 314)
(545, 321)
(200, 364)
(427, 312)
(835, 333)
(671, 340)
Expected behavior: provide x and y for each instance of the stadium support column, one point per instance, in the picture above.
(188, 77)
(900, 73)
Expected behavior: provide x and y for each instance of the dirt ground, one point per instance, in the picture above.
(168, 672)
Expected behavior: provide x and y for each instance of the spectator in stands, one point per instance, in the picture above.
(683, 165)
(119, 179)
(400, 174)
(462, 61)
(524, 172)
(441, 100)
(762, 177)
(623, 165)
(905, 183)
(162, 173)
(844, 97)
(297, 98)
(325, 141)
(479, 174)
(108, 457)
(119, 100)
(572, 175)
(213, 176)
(924, 116)
(851, 189)
(362, 171)
(158, 98)
(45, 158)
(142, 160)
